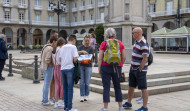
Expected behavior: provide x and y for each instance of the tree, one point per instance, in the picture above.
(99, 31)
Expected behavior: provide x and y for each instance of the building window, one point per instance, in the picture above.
(37, 18)
(37, 3)
(91, 2)
(50, 19)
(75, 5)
(21, 2)
(83, 18)
(75, 19)
(169, 6)
(7, 16)
(6, 1)
(102, 17)
(63, 20)
(152, 8)
(91, 17)
(83, 3)
(102, 1)
(21, 17)
(188, 6)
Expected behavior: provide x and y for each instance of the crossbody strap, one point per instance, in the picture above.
(56, 56)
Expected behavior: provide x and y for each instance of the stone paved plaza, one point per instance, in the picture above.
(20, 94)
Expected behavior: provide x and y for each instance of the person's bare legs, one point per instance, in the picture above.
(106, 105)
(120, 104)
(145, 97)
(52, 89)
(130, 93)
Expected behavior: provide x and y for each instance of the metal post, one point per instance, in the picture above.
(10, 65)
(36, 70)
(96, 56)
(58, 13)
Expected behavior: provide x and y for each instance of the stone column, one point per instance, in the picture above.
(14, 39)
(127, 41)
(44, 38)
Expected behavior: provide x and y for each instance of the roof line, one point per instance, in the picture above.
(186, 29)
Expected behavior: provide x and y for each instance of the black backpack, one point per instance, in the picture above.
(150, 58)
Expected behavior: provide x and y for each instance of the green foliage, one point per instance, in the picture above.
(99, 31)
(21, 46)
(30, 46)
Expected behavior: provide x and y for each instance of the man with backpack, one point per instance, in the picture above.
(138, 70)
(111, 58)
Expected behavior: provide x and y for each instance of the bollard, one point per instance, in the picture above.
(36, 70)
(96, 56)
(10, 65)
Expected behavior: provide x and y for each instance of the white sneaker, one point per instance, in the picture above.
(85, 98)
(58, 105)
(46, 104)
(82, 99)
(73, 109)
(141, 102)
(51, 101)
(139, 98)
(121, 109)
(103, 109)
(62, 102)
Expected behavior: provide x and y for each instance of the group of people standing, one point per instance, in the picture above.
(57, 64)
(58, 60)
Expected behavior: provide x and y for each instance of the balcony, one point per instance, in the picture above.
(90, 6)
(64, 24)
(89, 22)
(74, 9)
(163, 13)
(6, 4)
(98, 21)
(23, 6)
(127, 1)
(37, 7)
(101, 4)
(82, 8)
(74, 24)
(185, 10)
(48, 23)
(13, 21)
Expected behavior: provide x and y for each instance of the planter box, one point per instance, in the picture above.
(28, 72)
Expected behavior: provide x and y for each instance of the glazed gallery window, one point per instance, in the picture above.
(83, 18)
(7, 16)
(37, 18)
(21, 17)
(21, 2)
(152, 8)
(37, 2)
(169, 6)
(6, 1)
(50, 19)
(91, 17)
(75, 19)
(63, 20)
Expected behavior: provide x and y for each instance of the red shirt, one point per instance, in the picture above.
(103, 47)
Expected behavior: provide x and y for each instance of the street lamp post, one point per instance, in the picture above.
(58, 9)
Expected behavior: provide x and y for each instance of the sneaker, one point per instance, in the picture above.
(85, 98)
(103, 109)
(141, 102)
(121, 109)
(62, 102)
(142, 109)
(2, 78)
(127, 105)
(45, 104)
(73, 109)
(139, 98)
(82, 99)
(58, 105)
(51, 101)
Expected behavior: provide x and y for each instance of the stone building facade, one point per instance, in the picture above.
(169, 13)
(31, 21)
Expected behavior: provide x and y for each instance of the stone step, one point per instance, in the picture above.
(154, 76)
(150, 82)
(14, 70)
(152, 90)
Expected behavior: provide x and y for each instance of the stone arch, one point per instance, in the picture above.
(37, 37)
(91, 30)
(169, 25)
(154, 27)
(187, 23)
(9, 35)
(21, 36)
(63, 34)
(83, 31)
(75, 31)
(48, 35)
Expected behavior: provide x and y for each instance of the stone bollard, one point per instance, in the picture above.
(10, 65)
(96, 56)
(36, 70)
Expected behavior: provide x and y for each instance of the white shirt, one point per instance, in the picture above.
(67, 54)
(57, 56)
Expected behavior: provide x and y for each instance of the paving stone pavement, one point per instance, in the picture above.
(10, 102)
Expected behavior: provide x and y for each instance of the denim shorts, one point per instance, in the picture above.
(137, 78)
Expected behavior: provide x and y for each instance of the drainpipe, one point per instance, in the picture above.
(178, 14)
(30, 25)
